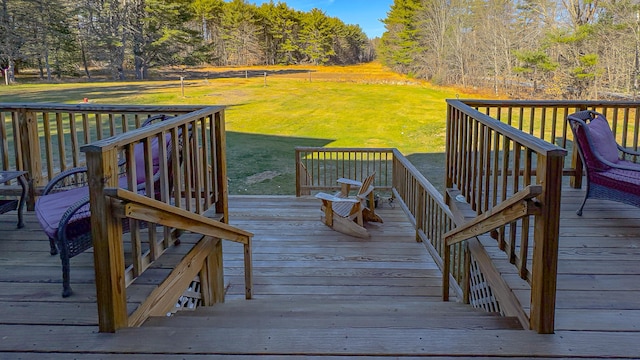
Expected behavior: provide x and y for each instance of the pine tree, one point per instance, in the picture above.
(316, 37)
(400, 46)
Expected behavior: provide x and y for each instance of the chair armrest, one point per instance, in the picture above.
(634, 167)
(366, 193)
(329, 197)
(59, 181)
(349, 182)
(78, 210)
(78, 218)
(626, 151)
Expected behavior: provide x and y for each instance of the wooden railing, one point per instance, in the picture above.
(487, 163)
(424, 205)
(318, 168)
(192, 168)
(547, 120)
(45, 139)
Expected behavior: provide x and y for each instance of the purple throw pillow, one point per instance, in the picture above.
(603, 141)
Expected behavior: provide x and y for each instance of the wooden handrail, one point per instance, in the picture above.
(100, 108)
(140, 133)
(531, 142)
(516, 207)
(139, 207)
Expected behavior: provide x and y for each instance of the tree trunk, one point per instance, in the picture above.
(40, 69)
(84, 61)
(47, 65)
(10, 73)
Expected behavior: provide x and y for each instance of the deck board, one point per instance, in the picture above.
(297, 257)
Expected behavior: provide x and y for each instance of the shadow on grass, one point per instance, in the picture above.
(265, 164)
(432, 166)
(94, 93)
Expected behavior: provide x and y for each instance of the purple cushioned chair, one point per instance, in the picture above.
(610, 170)
(63, 208)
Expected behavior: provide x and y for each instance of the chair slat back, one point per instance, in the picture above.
(366, 183)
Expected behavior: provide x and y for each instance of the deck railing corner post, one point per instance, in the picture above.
(27, 156)
(546, 240)
(106, 232)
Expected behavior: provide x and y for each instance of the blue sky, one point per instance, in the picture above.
(366, 13)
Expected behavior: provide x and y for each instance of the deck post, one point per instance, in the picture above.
(222, 202)
(29, 143)
(298, 179)
(106, 231)
(545, 248)
(212, 276)
(576, 162)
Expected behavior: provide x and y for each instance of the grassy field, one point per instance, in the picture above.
(354, 106)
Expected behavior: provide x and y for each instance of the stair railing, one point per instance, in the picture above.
(487, 163)
(205, 259)
(192, 179)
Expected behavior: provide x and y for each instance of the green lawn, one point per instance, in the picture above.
(342, 109)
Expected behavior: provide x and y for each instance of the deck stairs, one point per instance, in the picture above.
(308, 327)
(317, 291)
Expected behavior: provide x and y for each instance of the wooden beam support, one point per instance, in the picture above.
(497, 283)
(163, 298)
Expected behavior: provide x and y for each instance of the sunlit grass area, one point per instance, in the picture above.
(267, 116)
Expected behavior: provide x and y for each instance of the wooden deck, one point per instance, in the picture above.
(322, 294)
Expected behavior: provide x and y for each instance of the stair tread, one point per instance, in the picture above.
(337, 313)
(304, 303)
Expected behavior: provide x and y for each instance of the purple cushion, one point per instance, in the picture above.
(138, 152)
(50, 208)
(602, 139)
(627, 181)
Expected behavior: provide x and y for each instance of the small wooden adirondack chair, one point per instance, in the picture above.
(347, 214)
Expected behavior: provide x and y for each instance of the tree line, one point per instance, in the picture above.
(550, 48)
(128, 37)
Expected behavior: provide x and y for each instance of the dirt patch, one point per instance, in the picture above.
(257, 178)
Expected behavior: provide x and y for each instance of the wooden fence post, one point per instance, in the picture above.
(545, 248)
(106, 231)
(28, 155)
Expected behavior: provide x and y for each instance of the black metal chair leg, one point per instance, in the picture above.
(64, 258)
(52, 245)
(579, 211)
(584, 201)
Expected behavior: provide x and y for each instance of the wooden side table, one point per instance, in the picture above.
(13, 204)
